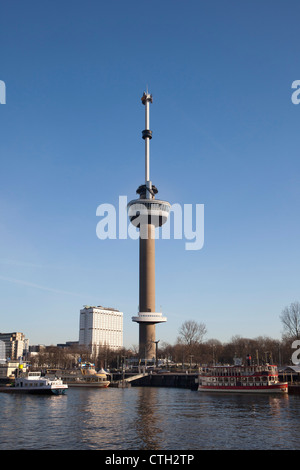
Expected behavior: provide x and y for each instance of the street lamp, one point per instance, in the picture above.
(156, 356)
(123, 369)
(191, 357)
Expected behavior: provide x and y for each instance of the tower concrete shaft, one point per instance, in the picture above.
(147, 213)
(147, 290)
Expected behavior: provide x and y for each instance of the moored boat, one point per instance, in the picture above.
(86, 376)
(35, 383)
(241, 378)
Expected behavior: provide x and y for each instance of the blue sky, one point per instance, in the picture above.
(225, 134)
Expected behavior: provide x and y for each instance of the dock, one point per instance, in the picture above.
(125, 382)
(159, 379)
(293, 389)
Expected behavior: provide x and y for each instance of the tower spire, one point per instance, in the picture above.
(147, 136)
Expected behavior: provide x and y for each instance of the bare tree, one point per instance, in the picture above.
(191, 333)
(290, 318)
(190, 337)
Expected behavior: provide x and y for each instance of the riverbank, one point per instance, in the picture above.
(178, 380)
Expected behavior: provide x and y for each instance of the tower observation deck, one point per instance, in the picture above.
(147, 213)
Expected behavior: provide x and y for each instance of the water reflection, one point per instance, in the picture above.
(118, 419)
(148, 421)
(102, 418)
(149, 418)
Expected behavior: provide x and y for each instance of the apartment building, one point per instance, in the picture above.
(13, 345)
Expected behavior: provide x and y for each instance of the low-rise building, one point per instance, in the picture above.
(8, 369)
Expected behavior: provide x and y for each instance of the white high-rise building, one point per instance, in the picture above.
(100, 326)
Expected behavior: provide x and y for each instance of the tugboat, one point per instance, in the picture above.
(241, 378)
(35, 383)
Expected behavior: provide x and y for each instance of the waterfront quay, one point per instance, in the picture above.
(136, 377)
(184, 379)
(158, 379)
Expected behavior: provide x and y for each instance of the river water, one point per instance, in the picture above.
(144, 418)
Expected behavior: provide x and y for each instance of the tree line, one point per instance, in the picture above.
(189, 351)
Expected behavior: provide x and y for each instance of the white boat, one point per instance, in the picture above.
(242, 379)
(35, 383)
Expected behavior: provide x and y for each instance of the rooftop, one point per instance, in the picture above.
(100, 306)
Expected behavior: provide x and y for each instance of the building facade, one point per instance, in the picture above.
(13, 345)
(8, 369)
(100, 326)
